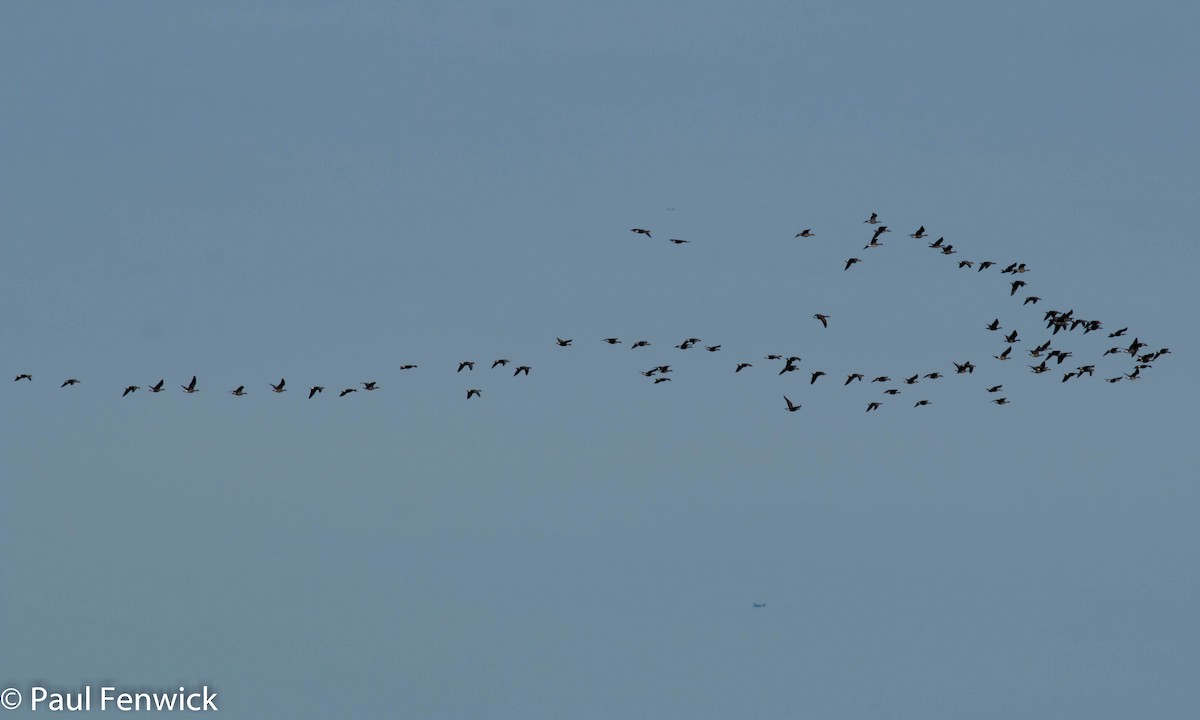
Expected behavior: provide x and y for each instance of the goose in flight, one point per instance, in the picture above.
(562, 343)
(501, 362)
(522, 369)
(911, 381)
(882, 378)
(239, 391)
(995, 388)
(474, 392)
(1016, 285)
(158, 387)
(850, 262)
(314, 390)
(712, 348)
(190, 387)
(407, 367)
(639, 343)
(641, 231)
(369, 386)
(1004, 355)
(966, 367)
(613, 341)
(965, 264)
(677, 241)
(23, 376)
(806, 232)
(468, 364)
(934, 375)
(891, 391)
(791, 406)
(661, 380)
(921, 402)
(873, 220)
(949, 250)
(919, 234)
(1011, 338)
(1001, 401)
(1031, 300)
(937, 243)
(130, 389)
(823, 318)
(760, 605)
(985, 265)
(994, 325)
(852, 377)
(68, 381)
(280, 387)
(1119, 333)
(347, 391)
(742, 366)
(873, 406)
(815, 375)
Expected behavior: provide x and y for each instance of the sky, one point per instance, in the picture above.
(245, 191)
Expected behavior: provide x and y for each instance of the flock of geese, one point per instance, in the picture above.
(1055, 321)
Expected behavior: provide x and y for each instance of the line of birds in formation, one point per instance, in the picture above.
(1055, 320)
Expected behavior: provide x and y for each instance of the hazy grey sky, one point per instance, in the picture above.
(244, 191)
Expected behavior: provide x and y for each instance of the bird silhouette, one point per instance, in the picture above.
(190, 387)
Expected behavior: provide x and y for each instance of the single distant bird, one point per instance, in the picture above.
(791, 406)
(641, 231)
(823, 318)
(679, 242)
(1001, 401)
(239, 391)
(562, 343)
(23, 376)
(661, 380)
(131, 388)
(501, 362)
(522, 369)
(850, 262)
(347, 391)
(157, 387)
(280, 387)
(921, 402)
(815, 375)
(806, 232)
(473, 392)
(407, 367)
(852, 377)
(639, 343)
(995, 388)
(873, 406)
(742, 366)
(190, 387)
(68, 381)
(1031, 300)
(613, 341)
(468, 364)
(873, 220)
(369, 386)
(314, 390)
(919, 234)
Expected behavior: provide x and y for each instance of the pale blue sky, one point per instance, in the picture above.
(250, 190)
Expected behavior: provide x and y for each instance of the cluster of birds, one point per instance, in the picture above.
(1056, 321)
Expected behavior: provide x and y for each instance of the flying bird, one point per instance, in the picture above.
(791, 406)
(501, 362)
(661, 380)
(994, 388)
(994, 325)
(1001, 401)
(852, 377)
(920, 233)
(347, 391)
(873, 406)
(314, 390)
(679, 242)
(815, 375)
(641, 231)
(639, 343)
(23, 376)
(1004, 355)
(407, 367)
(190, 387)
(68, 381)
(131, 388)
(873, 220)
(473, 392)
(612, 341)
(158, 387)
(742, 366)
(279, 388)
(823, 318)
(522, 369)
(1016, 285)
(807, 232)
(850, 262)
(369, 386)
(239, 391)
(921, 402)
(468, 364)
(562, 343)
